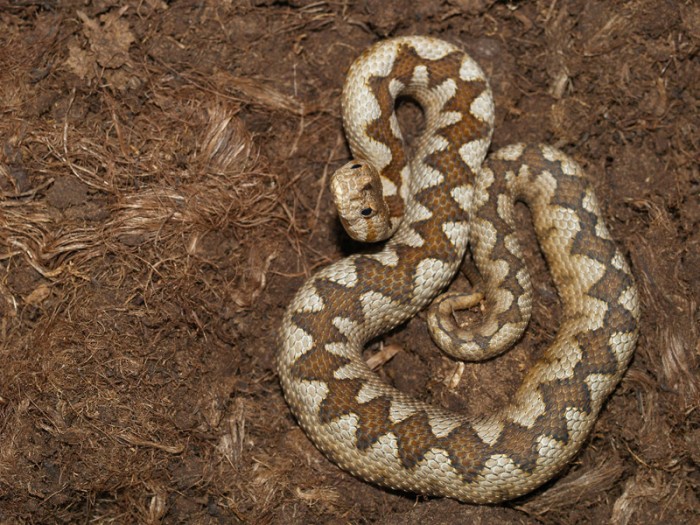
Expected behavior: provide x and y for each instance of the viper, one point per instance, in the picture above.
(426, 208)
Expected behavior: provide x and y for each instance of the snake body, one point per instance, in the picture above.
(436, 202)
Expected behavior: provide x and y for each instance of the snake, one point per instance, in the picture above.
(423, 205)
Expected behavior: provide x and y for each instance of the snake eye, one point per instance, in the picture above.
(355, 166)
(367, 212)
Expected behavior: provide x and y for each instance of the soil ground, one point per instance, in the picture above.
(163, 179)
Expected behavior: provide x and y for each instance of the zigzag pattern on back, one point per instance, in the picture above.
(437, 201)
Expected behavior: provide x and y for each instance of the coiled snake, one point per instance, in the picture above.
(432, 204)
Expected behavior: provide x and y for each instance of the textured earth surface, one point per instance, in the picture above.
(163, 193)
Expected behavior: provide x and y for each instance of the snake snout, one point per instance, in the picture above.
(357, 192)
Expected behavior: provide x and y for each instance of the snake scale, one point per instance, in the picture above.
(431, 205)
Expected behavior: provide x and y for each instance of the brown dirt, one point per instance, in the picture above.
(162, 174)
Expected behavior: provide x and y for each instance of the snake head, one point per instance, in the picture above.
(358, 196)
